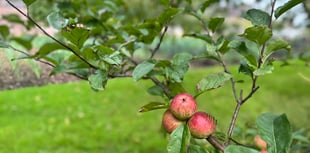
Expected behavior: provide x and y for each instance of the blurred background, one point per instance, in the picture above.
(293, 27)
(60, 113)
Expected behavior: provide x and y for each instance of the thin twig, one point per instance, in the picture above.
(120, 75)
(214, 142)
(160, 41)
(162, 86)
(204, 25)
(42, 61)
(271, 13)
(153, 78)
(50, 36)
(233, 122)
(254, 87)
(238, 143)
(233, 82)
(237, 99)
(261, 55)
(28, 56)
(249, 95)
(128, 57)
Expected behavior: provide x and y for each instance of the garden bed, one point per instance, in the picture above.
(24, 76)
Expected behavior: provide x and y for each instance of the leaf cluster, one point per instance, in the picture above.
(94, 43)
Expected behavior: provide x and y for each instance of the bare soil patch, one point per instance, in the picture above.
(25, 77)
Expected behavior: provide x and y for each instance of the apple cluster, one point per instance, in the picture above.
(183, 110)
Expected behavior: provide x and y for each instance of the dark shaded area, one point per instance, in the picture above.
(25, 77)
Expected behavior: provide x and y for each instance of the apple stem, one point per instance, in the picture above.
(215, 143)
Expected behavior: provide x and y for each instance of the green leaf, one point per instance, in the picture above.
(4, 31)
(186, 137)
(211, 52)
(98, 80)
(149, 38)
(179, 140)
(206, 4)
(213, 81)
(214, 23)
(287, 6)
(222, 45)
(181, 59)
(175, 141)
(83, 73)
(239, 149)
(77, 36)
(131, 30)
(248, 51)
(58, 69)
(89, 55)
(246, 69)
(276, 131)
(35, 67)
(103, 50)
(25, 41)
(13, 18)
(76, 62)
(155, 90)
(257, 17)
(153, 106)
(57, 21)
(48, 48)
(28, 2)
(163, 63)
(258, 34)
(149, 25)
(176, 88)
(204, 37)
(167, 15)
(114, 58)
(299, 135)
(4, 44)
(266, 69)
(211, 49)
(283, 133)
(179, 66)
(275, 45)
(57, 57)
(142, 69)
(195, 14)
(149, 30)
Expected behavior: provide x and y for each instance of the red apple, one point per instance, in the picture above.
(169, 122)
(183, 106)
(260, 142)
(264, 151)
(201, 125)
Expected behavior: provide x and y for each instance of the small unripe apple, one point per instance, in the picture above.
(183, 106)
(169, 122)
(260, 142)
(201, 125)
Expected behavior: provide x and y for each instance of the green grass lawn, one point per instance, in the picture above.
(71, 118)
